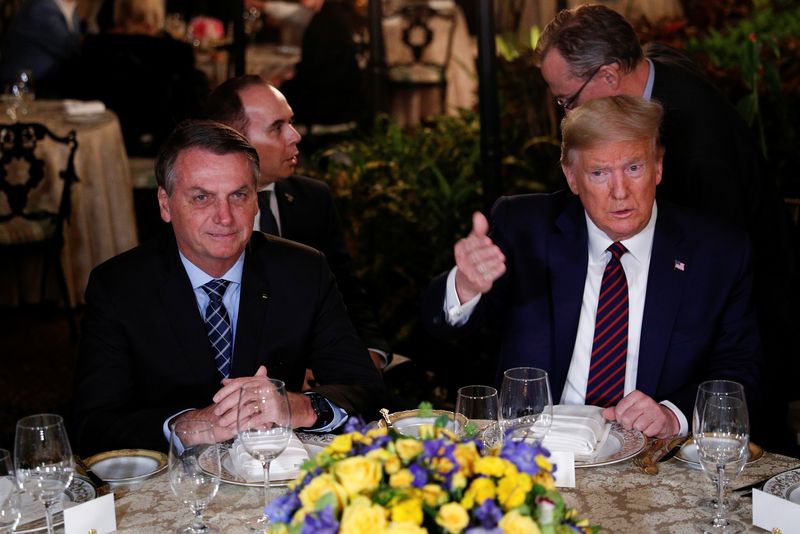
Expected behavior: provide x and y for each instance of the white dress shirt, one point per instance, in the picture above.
(636, 264)
(273, 207)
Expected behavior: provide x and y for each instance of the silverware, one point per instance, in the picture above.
(646, 460)
(101, 486)
(673, 447)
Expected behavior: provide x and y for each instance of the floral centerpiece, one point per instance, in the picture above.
(378, 481)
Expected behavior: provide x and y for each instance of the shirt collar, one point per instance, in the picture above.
(651, 76)
(199, 278)
(269, 187)
(67, 8)
(638, 246)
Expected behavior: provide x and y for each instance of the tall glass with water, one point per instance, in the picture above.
(9, 494)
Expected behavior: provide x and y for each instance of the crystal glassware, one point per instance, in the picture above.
(194, 470)
(9, 494)
(526, 406)
(722, 439)
(479, 406)
(43, 462)
(264, 429)
(705, 390)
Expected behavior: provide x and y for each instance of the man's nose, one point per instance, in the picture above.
(293, 136)
(223, 214)
(617, 185)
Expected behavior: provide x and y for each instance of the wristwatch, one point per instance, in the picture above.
(322, 408)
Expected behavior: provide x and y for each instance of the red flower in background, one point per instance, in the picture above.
(206, 28)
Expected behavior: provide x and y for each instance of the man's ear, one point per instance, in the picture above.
(163, 205)
(570, 174)
(611, 76)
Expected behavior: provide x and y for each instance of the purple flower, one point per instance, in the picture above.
(481, 530)
(355, 424)
(420, 475)
(488, 514)
(321, 522)
(523, 455)
(281, 509)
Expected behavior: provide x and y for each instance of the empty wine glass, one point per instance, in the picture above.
(43, 461)
(21, 93)
(194, 470)
(264, 428)
(480, 407)
(9, 495)
(706, 390)
(526, 407)
(722, 439)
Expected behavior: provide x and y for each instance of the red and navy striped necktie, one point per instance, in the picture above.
(606, 384)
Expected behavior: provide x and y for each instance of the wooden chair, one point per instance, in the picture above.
(428, 35)
(32, 209)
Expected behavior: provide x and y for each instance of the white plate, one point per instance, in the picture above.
(89, 118)
(127, 465)
(620, 445)
(79, 490)
(785, 485)
(688, 454)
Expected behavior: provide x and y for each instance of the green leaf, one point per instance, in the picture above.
(470, 430)
(425, 409)
(441, 421)
(327, 499)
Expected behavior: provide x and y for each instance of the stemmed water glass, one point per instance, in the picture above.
(194, 470)
(43, 461)
(722, 438)
(9, 495)
(479, 407)
(264, 428)
(706, 390)
(526, 406)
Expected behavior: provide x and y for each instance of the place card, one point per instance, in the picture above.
(565, 474)
(771, 512)
(97, 515)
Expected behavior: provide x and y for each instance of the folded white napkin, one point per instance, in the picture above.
(285, 466)
(81, 107)
(579, 429)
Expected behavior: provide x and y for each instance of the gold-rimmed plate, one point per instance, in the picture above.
(409, 422)
(127, 465)
(689, 455)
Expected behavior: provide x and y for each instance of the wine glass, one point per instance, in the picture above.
(43, 460)
(9, 495)
(264, 428)
(194, 470)
(706, 390)
(722, 440)
(480, 407)
(526, 407)
(21, 93)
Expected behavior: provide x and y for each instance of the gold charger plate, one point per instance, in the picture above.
(688, 453)
(127, 465)
(408, 422)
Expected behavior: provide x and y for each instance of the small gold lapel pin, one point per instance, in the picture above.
(265, 296)
(289, 197)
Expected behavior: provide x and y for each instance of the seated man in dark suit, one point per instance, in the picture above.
(301, 209)
(183, 322)
(627, 303)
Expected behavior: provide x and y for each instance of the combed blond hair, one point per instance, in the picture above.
(610, 119)
(137, 14)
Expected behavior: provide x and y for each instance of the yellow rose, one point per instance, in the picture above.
(341, 444)
(434, 495)
(544, 479)
(404, 528)
(377, 432)
(466, 455)
(494, 467)
(407, 511)
(426, 431)
(408, 449)
(543, 462)
(452, 517)
(392, 464)
(515, 523)
(401, 479)
(362, 517)
(512, 490)
(358, 474)
(459, 481)
(318, 487)
(442, 465)
(479, 490)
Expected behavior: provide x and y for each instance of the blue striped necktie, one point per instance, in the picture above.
(606, 384)
(218, 325)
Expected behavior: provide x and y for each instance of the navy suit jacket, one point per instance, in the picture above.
(144, 353)
(308, 216)
(698, 321)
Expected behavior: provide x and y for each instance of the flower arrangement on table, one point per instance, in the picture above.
(378, 481)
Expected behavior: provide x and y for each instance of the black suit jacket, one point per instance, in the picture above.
(698, 322)
(145, 355)
(308, 216)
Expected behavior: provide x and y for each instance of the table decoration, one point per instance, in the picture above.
(376, 480)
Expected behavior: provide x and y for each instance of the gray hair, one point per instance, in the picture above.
(210, 136)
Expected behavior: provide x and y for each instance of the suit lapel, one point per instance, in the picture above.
(287, 208)
(568, 280)
(665, 287)
(253, 304)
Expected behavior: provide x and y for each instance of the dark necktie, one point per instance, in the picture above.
(606, 384)
(266, 220)
(218, 326)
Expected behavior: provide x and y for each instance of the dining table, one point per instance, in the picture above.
(619, 496)
(103, 222)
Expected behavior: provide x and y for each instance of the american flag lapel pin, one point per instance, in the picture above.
(289, 197)
(679, 266)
